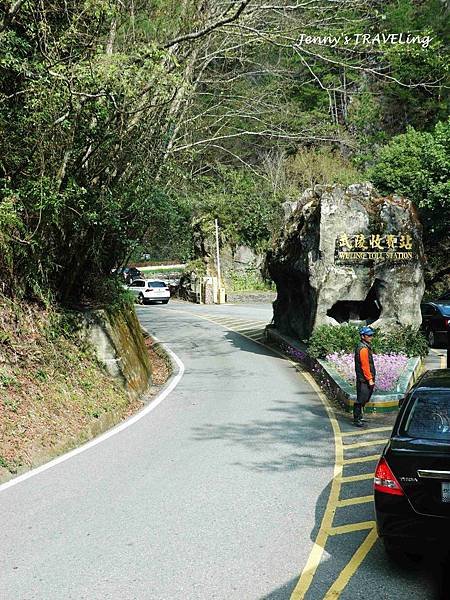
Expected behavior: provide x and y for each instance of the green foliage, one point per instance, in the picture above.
(169, 233)
(111, 293)
(112, 141)
(62, 324)
(248, 281)
(196, 266)
(324, 166)
(245, 207)
(74, 196)
(424, 106)
(405, 340)
(8, 381)
(417, 165)
(327, 339)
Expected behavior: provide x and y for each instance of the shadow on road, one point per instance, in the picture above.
(281, 593)
(289, 425)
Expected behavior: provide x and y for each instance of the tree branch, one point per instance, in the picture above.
(197, 34)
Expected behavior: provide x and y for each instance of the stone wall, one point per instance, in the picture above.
(314, 287)
(119, 344)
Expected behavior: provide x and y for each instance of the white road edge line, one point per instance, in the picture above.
(104, 436)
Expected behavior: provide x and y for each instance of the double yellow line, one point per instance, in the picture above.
(326, 527)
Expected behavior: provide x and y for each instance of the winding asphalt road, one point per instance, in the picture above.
(213, 495)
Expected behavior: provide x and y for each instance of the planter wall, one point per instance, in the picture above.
(335, 386)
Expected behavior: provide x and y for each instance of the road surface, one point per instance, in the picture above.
(219, 493)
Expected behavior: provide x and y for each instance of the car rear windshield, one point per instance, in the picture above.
(156, 284)
(429, 415)
(445, 309)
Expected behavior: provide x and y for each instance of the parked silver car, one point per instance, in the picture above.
(150, 290)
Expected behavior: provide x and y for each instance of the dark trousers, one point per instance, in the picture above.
(363, 393)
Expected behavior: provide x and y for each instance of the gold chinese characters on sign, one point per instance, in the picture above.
(360, 247)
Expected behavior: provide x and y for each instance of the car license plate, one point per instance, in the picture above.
(446, 491)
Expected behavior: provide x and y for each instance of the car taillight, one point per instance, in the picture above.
(149, 290)
(385, 481)
(447, 323)
(167, 289)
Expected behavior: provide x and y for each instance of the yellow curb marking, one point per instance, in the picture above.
(357, 478)
(250, 331)
(365, 431)
(360, 459)
(222, 321)
(364, 444)
(352, 501)
(351, 527)
(346, 574)
(242, 323)
(315, 556)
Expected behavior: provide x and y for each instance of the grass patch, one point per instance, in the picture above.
(250, 281)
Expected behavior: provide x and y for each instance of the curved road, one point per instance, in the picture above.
(214, 494)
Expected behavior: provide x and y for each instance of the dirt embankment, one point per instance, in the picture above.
(54, 394)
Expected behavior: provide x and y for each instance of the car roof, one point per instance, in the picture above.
(437, 303)
(443, 307)
(434, 379)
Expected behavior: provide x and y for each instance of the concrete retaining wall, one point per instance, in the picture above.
(119, 344)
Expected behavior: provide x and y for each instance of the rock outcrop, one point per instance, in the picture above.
(347, 254)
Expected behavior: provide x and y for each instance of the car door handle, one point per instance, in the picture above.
(427, 474)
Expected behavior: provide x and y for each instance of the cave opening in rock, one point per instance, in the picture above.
(367, 310)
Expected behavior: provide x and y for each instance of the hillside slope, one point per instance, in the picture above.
(54, 394)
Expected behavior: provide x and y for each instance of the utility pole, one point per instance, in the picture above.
(219, 280)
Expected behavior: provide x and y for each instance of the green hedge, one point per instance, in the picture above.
(327, 339)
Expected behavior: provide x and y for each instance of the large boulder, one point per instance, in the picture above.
(347, 254)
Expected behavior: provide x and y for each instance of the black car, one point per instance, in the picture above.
(412, 478)
(436, 321)
(129, 274)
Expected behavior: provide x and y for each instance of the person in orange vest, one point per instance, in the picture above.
(365, 374)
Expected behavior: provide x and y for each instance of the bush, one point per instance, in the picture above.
(309, 167)
(404, 340)
(328, 339)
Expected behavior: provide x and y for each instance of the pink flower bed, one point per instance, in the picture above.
(389, 367)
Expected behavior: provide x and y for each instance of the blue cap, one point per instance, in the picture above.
(366, 331)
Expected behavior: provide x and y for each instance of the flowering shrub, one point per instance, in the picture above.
(389, 367)
(329, 339)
